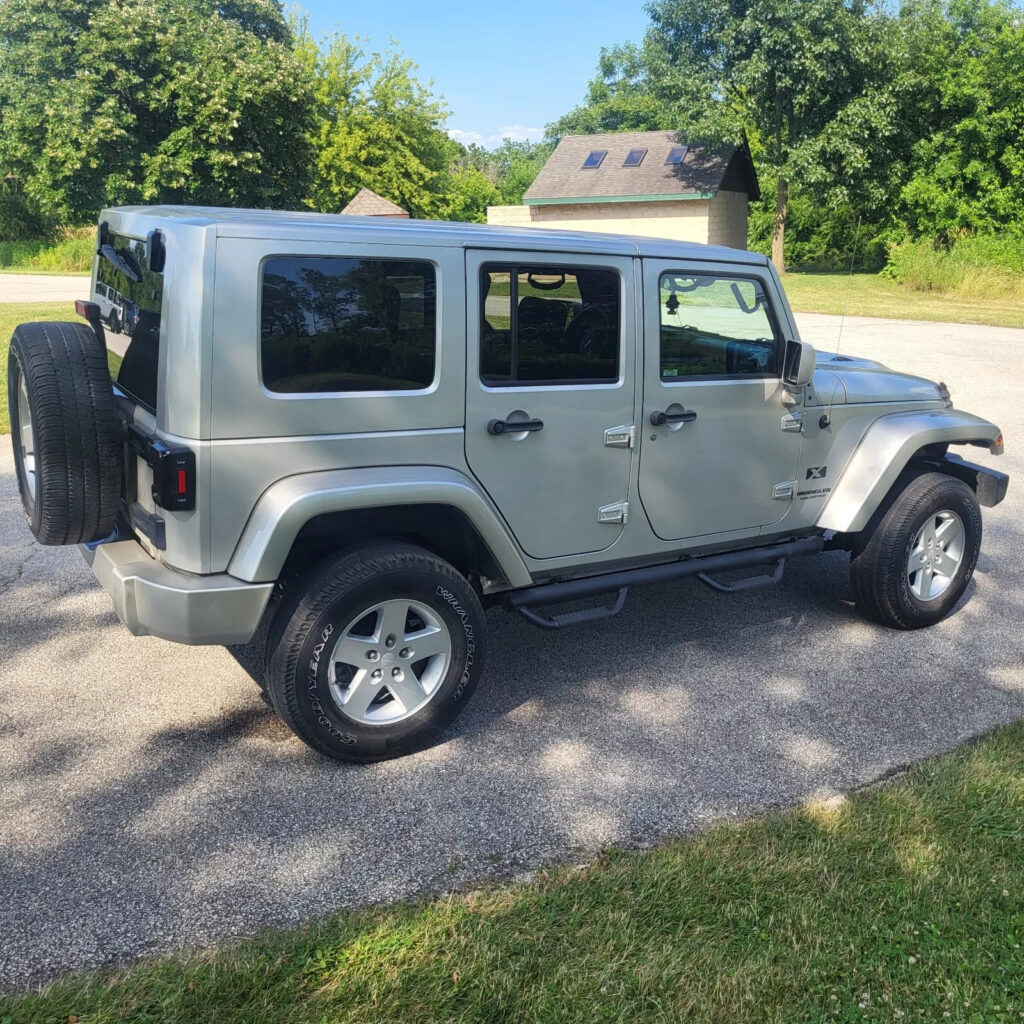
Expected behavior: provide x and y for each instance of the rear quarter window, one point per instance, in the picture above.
(131, 309)
(334, 324)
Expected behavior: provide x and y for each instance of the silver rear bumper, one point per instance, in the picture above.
(153, 600)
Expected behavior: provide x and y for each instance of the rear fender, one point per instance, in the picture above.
(884, 452)
(286, 506)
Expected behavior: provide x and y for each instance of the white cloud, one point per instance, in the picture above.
(466, 138)
(515, 132)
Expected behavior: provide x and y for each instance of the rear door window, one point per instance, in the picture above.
(549, 325)
(130, 297)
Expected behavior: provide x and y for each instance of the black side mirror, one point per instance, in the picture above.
(798, 364)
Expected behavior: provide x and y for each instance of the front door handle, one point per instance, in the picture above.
(498, 427)
(659, 418)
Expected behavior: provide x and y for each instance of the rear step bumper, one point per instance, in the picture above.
(153, 600)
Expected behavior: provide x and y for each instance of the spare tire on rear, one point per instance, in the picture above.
(65, 430)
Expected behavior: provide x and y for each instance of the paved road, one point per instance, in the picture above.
(151, 801)
(43, 287)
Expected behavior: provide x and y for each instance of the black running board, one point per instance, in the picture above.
(529, 598)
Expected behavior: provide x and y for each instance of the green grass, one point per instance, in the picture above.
(872, 295)
(905, 903)
(12, 314)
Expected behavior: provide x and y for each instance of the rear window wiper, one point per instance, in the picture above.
(122, 261)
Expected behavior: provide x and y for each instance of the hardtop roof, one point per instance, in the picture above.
(293, 224)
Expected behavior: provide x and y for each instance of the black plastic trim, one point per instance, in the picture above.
(168, 462)
(989, 484)
(588, 586)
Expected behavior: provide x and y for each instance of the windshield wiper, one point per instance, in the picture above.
(121, 262)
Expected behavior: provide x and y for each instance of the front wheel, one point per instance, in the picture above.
(376, 652)
(921, 555)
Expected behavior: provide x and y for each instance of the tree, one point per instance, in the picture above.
(150, 100)
(967, 171)
(375, 126)
(787, 75)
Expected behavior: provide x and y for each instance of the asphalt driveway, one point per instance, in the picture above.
(150, 800)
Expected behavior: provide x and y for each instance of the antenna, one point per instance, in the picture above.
(842, 319)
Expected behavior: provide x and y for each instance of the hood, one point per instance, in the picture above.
(853, 380)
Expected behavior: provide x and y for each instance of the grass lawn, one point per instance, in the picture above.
(12, 314)
(905, 903)
(871, 295)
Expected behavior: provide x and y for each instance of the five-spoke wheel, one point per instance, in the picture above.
(916, 560)
(389, 661)
(374, 652)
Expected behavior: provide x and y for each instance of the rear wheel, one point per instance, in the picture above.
(375, 652)
(921, 555)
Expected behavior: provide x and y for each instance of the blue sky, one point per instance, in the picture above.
(504, 69)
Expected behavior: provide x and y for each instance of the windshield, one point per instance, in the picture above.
(130, 299)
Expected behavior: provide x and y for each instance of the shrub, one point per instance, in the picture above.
(974, 266)
(70, 252)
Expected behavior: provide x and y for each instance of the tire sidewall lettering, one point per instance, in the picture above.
(469, 634)
(313, 689)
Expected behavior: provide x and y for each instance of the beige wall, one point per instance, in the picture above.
(684, 221)
(727, 224)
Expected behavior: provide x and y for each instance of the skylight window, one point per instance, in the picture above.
(594, 158)
(676, 154)
(634, 158)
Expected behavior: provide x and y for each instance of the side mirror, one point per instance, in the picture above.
(798, 364)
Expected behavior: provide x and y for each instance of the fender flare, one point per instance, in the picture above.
(286, 506)
(883, 453)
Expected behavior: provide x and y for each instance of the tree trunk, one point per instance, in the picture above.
(779, 226)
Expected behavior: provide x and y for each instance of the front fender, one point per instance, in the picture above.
(883, 453)
(286, 506)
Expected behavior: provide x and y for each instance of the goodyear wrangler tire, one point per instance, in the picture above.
(376, 652)
(66, 436)
(919, 558)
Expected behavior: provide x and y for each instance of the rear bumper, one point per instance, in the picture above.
(153, 600)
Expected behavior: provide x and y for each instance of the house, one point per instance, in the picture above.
(368, 204)
(641, 183)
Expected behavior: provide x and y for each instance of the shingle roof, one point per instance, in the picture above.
(369, 204)
(563, 178)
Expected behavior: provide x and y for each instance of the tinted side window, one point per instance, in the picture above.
(131, 306)
(548, 325)
(716, 326)
(331, 323)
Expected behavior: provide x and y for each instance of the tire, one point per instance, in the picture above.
(340, 616)
(65, 431)
(885, 589)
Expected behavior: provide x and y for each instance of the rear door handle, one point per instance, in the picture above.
(659, 418)
(498, 427)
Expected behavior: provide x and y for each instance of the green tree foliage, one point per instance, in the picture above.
(868, 123)
(967, 172)
(791, 77)
(377, 126)
(118, 101)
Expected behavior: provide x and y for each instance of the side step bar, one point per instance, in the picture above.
(528, 598)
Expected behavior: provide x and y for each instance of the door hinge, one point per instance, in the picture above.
(620, 437)
(614, 514)
(793, 422)
(784, 491)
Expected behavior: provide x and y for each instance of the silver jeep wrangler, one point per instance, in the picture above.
(363, 432)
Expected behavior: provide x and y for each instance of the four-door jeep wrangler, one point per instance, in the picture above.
(367, 430)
